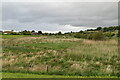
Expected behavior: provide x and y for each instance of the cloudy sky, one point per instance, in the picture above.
(58, 16)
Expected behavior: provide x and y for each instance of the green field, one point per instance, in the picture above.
(23, 75)
(50, 55)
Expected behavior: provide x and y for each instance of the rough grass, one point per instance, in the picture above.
(60, 56)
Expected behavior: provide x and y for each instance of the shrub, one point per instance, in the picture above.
(97, 36)
(109, 34)
(14, 33)
(25, 32)
(93, 36)
(99, 28)
(77, 35)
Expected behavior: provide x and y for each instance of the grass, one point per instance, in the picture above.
(11, 36)
(59, 56)
(18, 36)
(48, 45)
(23, 75)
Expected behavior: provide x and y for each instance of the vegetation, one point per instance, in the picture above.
(94, 34)
(23, 75)
(84, 53)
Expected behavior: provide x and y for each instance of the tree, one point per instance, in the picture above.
(105, 29)
(25, 32)
(33, 31)
(81, 31)
(46, 34)
(90, 30)
(98, 36)
(14, 33)
(78, 35)
(118, 28)
(99, 28)
(39, 32)
(59, 33)
(12, 30)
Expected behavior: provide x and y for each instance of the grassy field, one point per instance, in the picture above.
(58, 56)
(23, 75)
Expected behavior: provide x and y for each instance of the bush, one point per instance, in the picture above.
(98, 36)
(78, 35)
(14, 33)
(109, 34)
(25, 32)
(93, 36)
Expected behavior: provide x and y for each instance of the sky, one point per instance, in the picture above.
(58, 16)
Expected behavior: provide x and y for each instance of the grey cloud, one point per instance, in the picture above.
(76, 14)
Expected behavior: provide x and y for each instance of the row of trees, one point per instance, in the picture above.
(98, 34)
(27, 32)
(95, 34)
(105, 29)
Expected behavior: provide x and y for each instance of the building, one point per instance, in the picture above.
(7, 32)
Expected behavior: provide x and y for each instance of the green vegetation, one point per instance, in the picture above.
(94, 34)
(23, 75)
(11, 36)
(84, 53)
(60, 56)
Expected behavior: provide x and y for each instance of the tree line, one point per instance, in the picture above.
(100, 33)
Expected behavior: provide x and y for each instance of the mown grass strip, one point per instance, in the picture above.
(23, 75)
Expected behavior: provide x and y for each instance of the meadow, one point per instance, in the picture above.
(51, 55)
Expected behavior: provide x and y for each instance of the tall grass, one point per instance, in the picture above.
(60, 56)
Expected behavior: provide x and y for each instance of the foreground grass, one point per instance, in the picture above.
(23, 75)
(60, 56)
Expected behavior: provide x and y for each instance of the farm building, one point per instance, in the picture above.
(7, 32)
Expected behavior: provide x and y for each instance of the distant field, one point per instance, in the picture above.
(17, 36)
(58, 56)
